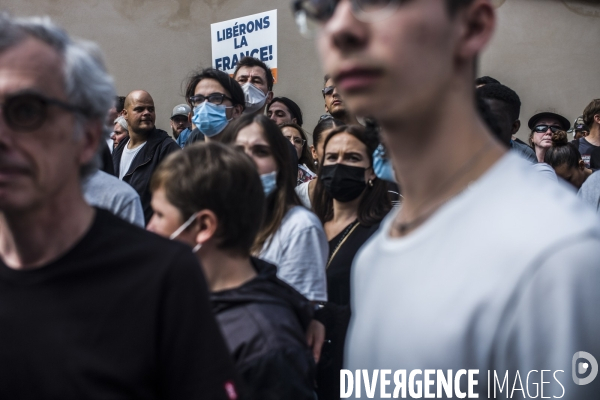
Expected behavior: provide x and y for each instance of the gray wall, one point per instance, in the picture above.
(546, 50)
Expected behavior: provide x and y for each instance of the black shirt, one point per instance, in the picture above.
(124, 314)
(338, 272)
(586, 149)
(336, 313)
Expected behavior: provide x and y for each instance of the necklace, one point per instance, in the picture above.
(404, 227)
(347, 232)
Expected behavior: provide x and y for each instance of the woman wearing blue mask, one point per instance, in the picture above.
(350, 201)
(291, 237)
(216, 99)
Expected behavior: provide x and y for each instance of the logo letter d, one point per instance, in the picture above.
(591, 362)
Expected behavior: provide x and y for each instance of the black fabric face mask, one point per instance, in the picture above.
(343, 182)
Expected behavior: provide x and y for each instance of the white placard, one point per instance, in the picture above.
(252, 35)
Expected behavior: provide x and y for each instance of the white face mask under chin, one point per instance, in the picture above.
(183, 227)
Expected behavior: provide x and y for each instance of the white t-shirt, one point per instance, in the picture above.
(127, 158)
(505, 276)
(299, 249)
(302, 192)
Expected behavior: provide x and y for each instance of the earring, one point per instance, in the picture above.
(370, 183)
(315, 162)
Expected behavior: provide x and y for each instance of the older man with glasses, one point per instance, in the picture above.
(91, 307)
(485, 268)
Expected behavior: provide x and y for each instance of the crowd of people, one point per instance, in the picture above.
(242, 257)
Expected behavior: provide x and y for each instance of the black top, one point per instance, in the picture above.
(107, 163)
(336, 313)
(338, 272)
(586, 149)
(264, 322)
(158, 146)
(124, 314)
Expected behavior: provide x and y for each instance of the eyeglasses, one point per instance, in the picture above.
(544, 128)
(328, 90)
(29, 111)
(214, 98)
(296, 141)
(309, 13)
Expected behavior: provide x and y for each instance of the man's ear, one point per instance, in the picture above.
(478, 22)
(269, 97)
(89, 140)
(124, 114)
(237, 111)
(294, 120)
(206, 226)
(515, 127)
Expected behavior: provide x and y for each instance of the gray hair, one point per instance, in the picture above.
(87, 83)
(122, 121)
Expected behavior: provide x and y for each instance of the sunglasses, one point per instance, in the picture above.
(544, 128)
(309, 12)
(328, 90)
(29, 111)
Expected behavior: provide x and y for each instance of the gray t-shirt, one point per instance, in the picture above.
(299, 249)
(590, 191)
(484, 284)
(106, 191)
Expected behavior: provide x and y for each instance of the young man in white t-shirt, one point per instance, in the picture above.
(485, 266)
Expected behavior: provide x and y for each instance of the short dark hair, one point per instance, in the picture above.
(284, 197)
(119, 104)
(291, 105)
(497, 91)
(485, 80)
(255, 62)
(455, 5)
(229, 84)
(588, 114)
(562, 152)
(375, 203)
(326, 78)
(216, 177)
(489, 118)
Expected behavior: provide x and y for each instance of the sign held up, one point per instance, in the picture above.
(253, 35)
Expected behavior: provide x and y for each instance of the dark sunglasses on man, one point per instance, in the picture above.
(328, 90)
(310, 13)
(28, 111)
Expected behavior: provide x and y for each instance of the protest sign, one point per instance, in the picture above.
(252, 35)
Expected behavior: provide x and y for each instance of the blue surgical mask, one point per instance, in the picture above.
(382, 166)
(269, 182)
(210, 118)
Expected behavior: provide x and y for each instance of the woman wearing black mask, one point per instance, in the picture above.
(350, 202)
